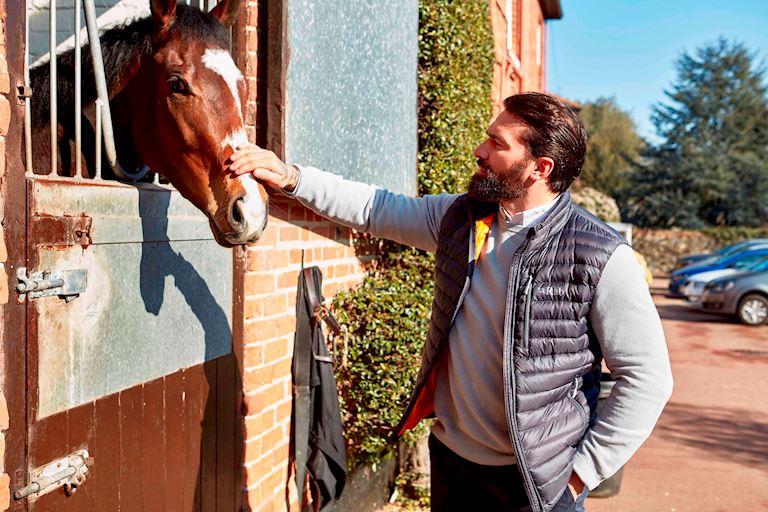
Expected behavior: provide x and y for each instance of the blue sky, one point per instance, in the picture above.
(627, 48)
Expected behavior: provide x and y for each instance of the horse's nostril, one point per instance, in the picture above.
(236, 218)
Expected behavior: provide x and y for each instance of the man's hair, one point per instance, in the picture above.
(554, 131)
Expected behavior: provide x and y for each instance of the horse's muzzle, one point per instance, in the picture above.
(247, 219)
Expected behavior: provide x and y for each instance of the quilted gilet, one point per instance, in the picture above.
(551, 357)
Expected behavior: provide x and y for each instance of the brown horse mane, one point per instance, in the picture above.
(121, 46)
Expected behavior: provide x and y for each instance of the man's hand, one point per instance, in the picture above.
(575, 485)
(265, 167)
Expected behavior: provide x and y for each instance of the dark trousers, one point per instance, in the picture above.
(459, 485)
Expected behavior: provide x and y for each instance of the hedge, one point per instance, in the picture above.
(387, 318)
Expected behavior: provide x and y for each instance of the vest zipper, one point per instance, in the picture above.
(510, 405)
(527, 313)
(575, 386)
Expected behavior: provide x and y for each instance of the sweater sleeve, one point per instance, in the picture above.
(630, 333)
(413, 221)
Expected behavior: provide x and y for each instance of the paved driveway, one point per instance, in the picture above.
(709, 451)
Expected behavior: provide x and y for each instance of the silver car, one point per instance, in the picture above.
(743, 295)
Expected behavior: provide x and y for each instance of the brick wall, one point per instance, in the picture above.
(523, 68)
(5, 119)
(269, 283)
(271, 277)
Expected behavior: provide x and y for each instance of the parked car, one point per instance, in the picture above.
(693, 289)
(743, 295)
(680, 277)
(728, 250)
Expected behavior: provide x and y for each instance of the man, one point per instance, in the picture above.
(532, 292)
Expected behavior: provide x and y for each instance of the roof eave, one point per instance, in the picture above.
(551, 9)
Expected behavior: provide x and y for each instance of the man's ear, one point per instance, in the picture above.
(544, 167)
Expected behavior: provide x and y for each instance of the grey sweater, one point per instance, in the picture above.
(468, 399)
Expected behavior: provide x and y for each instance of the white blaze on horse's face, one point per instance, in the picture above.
(252, 209)
(220, 61)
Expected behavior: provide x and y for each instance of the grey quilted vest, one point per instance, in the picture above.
(551, 357)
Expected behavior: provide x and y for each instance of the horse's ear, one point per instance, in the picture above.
(226, 11)
(163, 12)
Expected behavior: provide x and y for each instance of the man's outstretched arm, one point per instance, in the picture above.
(408, 220)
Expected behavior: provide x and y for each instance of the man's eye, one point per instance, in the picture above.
(178, 85)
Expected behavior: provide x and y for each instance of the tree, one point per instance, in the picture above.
(612, 144)
(712, 167)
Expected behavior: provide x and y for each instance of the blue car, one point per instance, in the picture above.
(680, 277)
(728, 250)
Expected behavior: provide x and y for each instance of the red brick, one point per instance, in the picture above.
(291, 234)
(252, 309)
(276, 259)
(256, 260)
(275, 479)
(259, 423)
(259, 283)
(283, 411)
(253, 64)
(288, 280)
(5, 492)
(275, 350)
(275, 305)
(260, 330)
(252, 95)
(286, 325)
(295, 256)
(3, 295)
(253, 498)
(5, 81)
(281, 453)
(260, 376)
(262, 466)
(253, 450)
(256, 403)
(5, 115)
(2, 158)
(272, 438)
(253, 356)
(253, 17)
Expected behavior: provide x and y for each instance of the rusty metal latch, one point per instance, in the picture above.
(67, 284)
(69, 472)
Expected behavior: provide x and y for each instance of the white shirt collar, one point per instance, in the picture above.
(526, 218)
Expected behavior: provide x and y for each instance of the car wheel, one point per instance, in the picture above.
(753, 309)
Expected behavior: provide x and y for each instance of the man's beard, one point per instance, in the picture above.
(495, 187)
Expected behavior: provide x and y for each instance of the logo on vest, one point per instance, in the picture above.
(554, 291)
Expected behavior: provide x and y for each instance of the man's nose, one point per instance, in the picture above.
(480, 151)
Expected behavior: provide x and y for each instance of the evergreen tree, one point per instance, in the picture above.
(712, 167)
(612, 144)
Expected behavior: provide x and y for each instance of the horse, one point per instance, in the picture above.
(176, 97)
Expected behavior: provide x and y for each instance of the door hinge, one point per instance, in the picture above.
(69, 472)
(66, 284)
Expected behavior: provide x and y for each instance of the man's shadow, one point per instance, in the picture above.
(212, 395)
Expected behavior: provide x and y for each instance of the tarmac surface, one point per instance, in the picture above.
(709, 450)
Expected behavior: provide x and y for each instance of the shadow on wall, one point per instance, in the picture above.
(735, 435)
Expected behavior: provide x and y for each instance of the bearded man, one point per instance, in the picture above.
(532, 294)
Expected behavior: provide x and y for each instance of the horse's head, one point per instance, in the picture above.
(193, 95)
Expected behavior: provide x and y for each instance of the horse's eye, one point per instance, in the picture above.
(178, 85)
